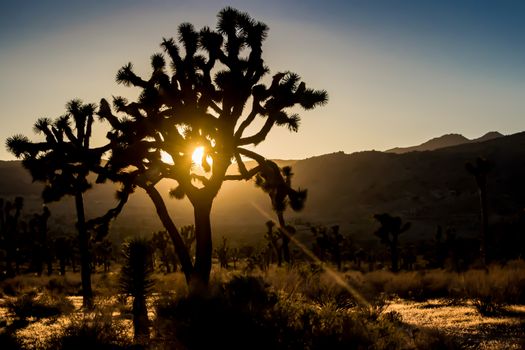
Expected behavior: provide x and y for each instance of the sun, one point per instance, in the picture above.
(196, 157)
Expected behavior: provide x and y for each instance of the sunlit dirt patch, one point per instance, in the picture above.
(505, 331)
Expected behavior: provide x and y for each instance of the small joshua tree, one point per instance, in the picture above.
(136, 281)
(329, 241)
(223, 253)
(391, 228)
(9, 216)
(273, 238)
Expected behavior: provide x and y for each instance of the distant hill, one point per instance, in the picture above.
(428, 188)
(447, 140)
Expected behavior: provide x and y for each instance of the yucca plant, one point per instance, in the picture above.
(136, 281)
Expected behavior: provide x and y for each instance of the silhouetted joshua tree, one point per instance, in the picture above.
(136, 281)
(199, 101)
(278, 184)
(391, 228)
(9, 216)
(274, 240)
(63, 251)
(329, 242)
(160, 242)
(223, 253)
(479, 170)
(62, 162)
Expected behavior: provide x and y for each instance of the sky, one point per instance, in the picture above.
(397, 72)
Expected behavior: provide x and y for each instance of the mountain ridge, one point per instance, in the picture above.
(427, 188)
(447, 140)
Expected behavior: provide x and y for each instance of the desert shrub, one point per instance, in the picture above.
(105, 284)
(247, 313)
(9, 341)
(92, 331)
(56, 284)
(492, 289)
(63, 285)
(230, 318)
(12, 286)
(420, 285)
(38, 306)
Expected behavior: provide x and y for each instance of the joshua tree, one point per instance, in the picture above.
(273, 238)
(160, 243)
(136, 281)
(479, 170)
(9, 216)
(278, 184)
(223, 252)
(391, 228)
(188, 237)
(102, 253)
(329, 241)
(62, 162)
(200, 106)
(63, 250)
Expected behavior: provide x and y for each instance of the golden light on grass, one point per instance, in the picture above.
(335, 275)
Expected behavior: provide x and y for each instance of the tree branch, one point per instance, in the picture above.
(260, 136)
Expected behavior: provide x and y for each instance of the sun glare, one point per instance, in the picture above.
(196, 157)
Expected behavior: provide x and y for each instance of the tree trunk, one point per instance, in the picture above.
(83, 240)
(140, 319)
(285, 238)
(394, 254)
(168, 224)
(203, 251)
(485, 256)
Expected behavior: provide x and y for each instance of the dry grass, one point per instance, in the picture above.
(299, 306)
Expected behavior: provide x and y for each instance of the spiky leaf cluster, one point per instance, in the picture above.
(63, 160)
(391, 226)
(277, 183)
(137, 269)
(205, 89)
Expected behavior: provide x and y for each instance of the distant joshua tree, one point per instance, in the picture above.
(62, 162)
(480, 169)
(223, 253)
(160, 242)
(9, 217)
(329, 242)
(136, 281)
(391, 228)
(187, 233)
(274, 239)
(278, 184)
(206, 98)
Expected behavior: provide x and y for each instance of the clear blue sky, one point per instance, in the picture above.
(398, 72)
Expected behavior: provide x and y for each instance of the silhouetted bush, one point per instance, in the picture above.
(9, 341)
(246, 313)
(38, 306)
(63, 285)
(92, 331)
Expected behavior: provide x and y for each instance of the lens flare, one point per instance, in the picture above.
(335, 275)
